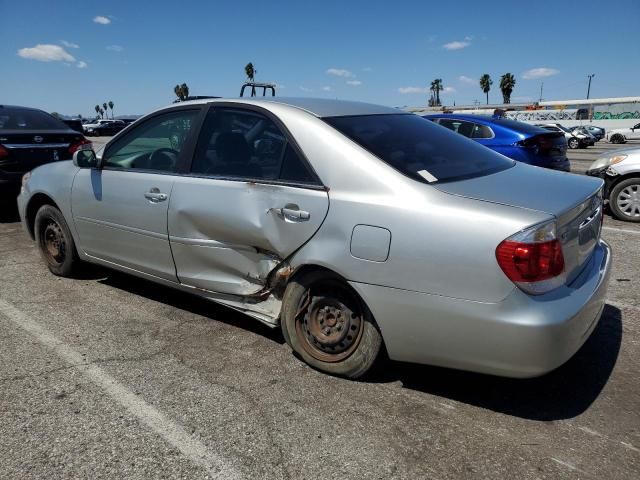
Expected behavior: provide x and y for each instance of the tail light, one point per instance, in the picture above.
(533, 259)
(82, 144)
(3, 152)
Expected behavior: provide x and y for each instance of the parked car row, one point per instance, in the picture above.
(104, 127)
(621, 135)
(434, 249)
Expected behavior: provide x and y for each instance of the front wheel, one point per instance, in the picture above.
(55, 242)
(617, 139)
(624, 200)
(574, 143)
(325, 322)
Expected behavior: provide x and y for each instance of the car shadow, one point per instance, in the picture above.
(564, 393)
(190, 303)
(9, 212)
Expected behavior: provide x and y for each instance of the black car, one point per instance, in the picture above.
(104, 128)
(30, 138)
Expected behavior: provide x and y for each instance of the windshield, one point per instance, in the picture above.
(564, 129)
(26, 119)
(419, 148)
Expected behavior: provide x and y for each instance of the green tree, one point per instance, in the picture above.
(97, 108)
(485, 85)
(111, 107)
(507, 82)
(55, 114)
(104, 107)
(250, 71)
(436, 88)
(181, 91)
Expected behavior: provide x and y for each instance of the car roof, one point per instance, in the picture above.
(320, 107)
(506, 123)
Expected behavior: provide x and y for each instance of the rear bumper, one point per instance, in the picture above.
(522, 336)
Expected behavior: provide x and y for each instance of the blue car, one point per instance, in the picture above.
(517, 140)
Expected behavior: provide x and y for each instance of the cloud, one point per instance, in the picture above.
(102, 20)
(406, 90)
(466, 80)
(327, 88)
(340, 72)
(46, 53)
(305, 89)
(540, 72)
(69, 44)
(81, 64)
(448, 90)
(354, 83)
(115, 48)
(468, 38)
(457, 45)
(367, 69)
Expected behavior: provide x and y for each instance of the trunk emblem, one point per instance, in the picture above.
(37, 139)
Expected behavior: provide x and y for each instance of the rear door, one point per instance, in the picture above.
(120, 211)
(250, 199)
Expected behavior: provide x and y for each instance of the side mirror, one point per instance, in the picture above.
(85, 159)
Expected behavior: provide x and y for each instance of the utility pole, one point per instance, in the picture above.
(542, 85)
(589, 86)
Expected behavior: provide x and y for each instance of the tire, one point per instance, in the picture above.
(573, 143)
(328, 325)
(617, 138)
(624, 200)
(55, 242)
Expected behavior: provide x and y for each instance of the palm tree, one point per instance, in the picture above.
(436, 88)
(178, 92)
(101, 112)
(97, 108)
(111, 107)
(507, 82)
(485, 84)
(250, 70)
(185, 91)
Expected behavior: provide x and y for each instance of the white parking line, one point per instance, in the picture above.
(623, 230)
(170, 431)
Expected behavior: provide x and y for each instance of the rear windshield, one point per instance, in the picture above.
(419, 148)
(25, 119)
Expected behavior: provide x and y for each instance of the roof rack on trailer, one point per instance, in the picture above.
(263, 86)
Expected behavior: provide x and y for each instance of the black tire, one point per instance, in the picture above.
(617, 138)
(573, 143)
(319, 302)
(55, 242)
(624, 200)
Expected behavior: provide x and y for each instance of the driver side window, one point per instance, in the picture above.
(154, 145)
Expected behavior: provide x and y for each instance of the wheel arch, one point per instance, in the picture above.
(622, 178)
(35, 203)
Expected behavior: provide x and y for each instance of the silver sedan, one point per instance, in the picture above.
(353, 227)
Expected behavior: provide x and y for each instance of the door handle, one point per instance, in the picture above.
(291, 214)
(154, 195)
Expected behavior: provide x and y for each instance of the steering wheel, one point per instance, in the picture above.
(163, 159)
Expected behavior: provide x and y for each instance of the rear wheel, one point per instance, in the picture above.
(326, 323)
(573, 143)
(617, 138)
(624, 200)
(55, 242)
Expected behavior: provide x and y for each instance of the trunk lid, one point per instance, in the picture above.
(32, 148)
(575, 201)
(552, 144)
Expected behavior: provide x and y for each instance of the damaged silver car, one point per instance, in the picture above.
(353, 227)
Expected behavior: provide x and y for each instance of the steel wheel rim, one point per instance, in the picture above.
(55, 245)
(628, 200)
(330, 327)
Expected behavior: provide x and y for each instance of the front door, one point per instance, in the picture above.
(250, 200)
(120, 211)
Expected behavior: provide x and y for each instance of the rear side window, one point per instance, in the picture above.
(25, 119)
(419, 148)
(481, 131)
(244, 144)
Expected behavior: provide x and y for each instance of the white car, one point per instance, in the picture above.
(574, 139)
(621, 135)
(621, 173)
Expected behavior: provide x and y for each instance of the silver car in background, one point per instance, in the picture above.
(353, 227)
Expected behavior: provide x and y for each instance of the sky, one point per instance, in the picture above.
(67, 56)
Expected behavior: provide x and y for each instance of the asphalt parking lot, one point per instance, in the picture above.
(109, 376)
